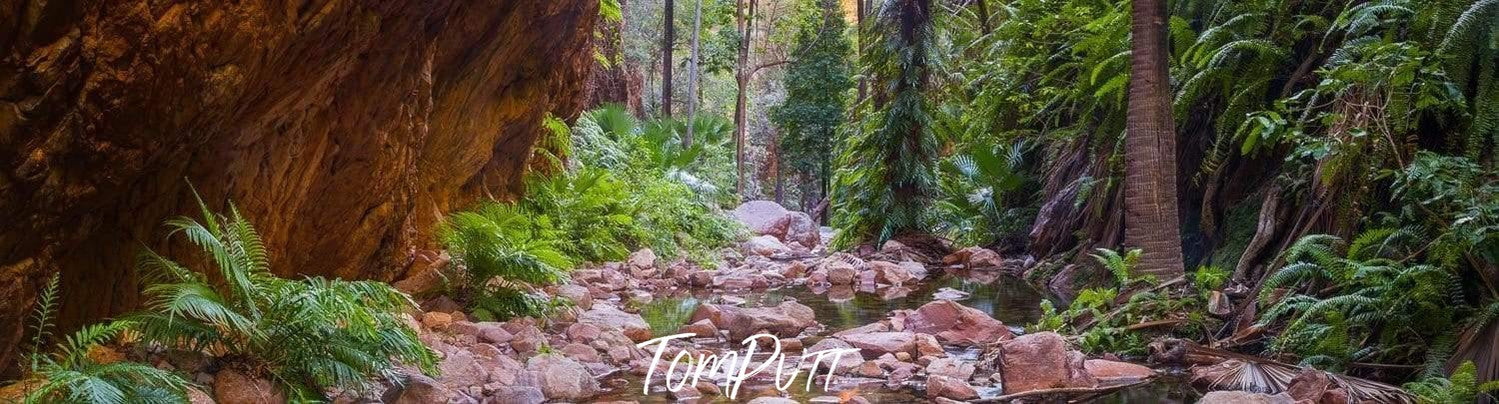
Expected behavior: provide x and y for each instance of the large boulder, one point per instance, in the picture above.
(846, 362)
(759, 216)
(563, 379)
(951, 367)
(974, 257)
(607, 317)
(957, 324)
(796, 227)
(1041, 361)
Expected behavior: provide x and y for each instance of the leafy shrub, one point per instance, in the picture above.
(70, 374)
(1461, 387)
(308, 335)
(1374, 300)
(980, 192)
(504, 250)
(589, 208)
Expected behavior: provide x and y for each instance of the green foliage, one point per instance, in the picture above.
(503, 251)
(1462, 387)
(70, 375)
(42, 320)
(589, 208)
(1377, 308)
(886, 170)
(309, 334)
(981, 192)
(1122, 266)
(817, 82)
(1472, 50)
(1208, 278)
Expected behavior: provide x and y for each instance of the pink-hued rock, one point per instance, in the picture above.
(1107, 371)
(889, 273)
(947, 387)
(846, 362)
(579, 295)
(1041, 361)
(957, 324)
(562, 378)
(231, 386)
(951, 367)
(1244, 397)
(878, 343)
(786, 320)
(974, 257)
(702, 329)
(759, 216)
(607, 317)
(766, 246)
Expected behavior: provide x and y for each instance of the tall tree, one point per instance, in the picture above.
(669, 39)
(744, 19)
(817, 83)
(887, 179)
(692, 72)
(1150, 204)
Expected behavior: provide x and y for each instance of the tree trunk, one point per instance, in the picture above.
(983, 7)
(863, 9)
(692, 75)
(1151, 221)
(667, 41)
(745, 20)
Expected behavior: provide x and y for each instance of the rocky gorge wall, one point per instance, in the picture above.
(343, 129)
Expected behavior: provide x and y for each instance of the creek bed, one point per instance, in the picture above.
(1007, 299)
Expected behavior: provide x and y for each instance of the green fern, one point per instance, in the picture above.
(70, 375)
(308, 335)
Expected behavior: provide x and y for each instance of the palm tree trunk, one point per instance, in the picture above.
(667, 41)
(692, 76)
(1151, 221)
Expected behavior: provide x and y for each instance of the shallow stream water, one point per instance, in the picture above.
(1010, 300)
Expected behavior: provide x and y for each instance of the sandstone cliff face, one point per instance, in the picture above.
(344, 129)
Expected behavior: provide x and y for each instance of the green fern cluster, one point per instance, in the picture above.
(308, 335)
(1377, 308)
(980, 194)
(70, 374)
(505, 251)
(1462, 387)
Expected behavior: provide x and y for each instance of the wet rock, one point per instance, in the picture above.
(786, 320)
(766, 246)
(702, 329)
(232, 386)
(949, 294)
(839, 273)
(840, 293)
(607, 317)
(863, 329)
(957, 324)
(418, 389)
(869, 369)
(562, 378)
(845, 363)
(889, 273)
(1111, 372)
(1040, 361)
(974, 257)
(895, 292)
(877, 343)
(1244, 397)
(916, 269)
(947, 387)
(950, 367)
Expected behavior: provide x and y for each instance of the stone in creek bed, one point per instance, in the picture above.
(874, 344)
(947, 387)
(957, 324)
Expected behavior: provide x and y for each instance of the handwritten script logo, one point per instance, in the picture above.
(735, 369)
